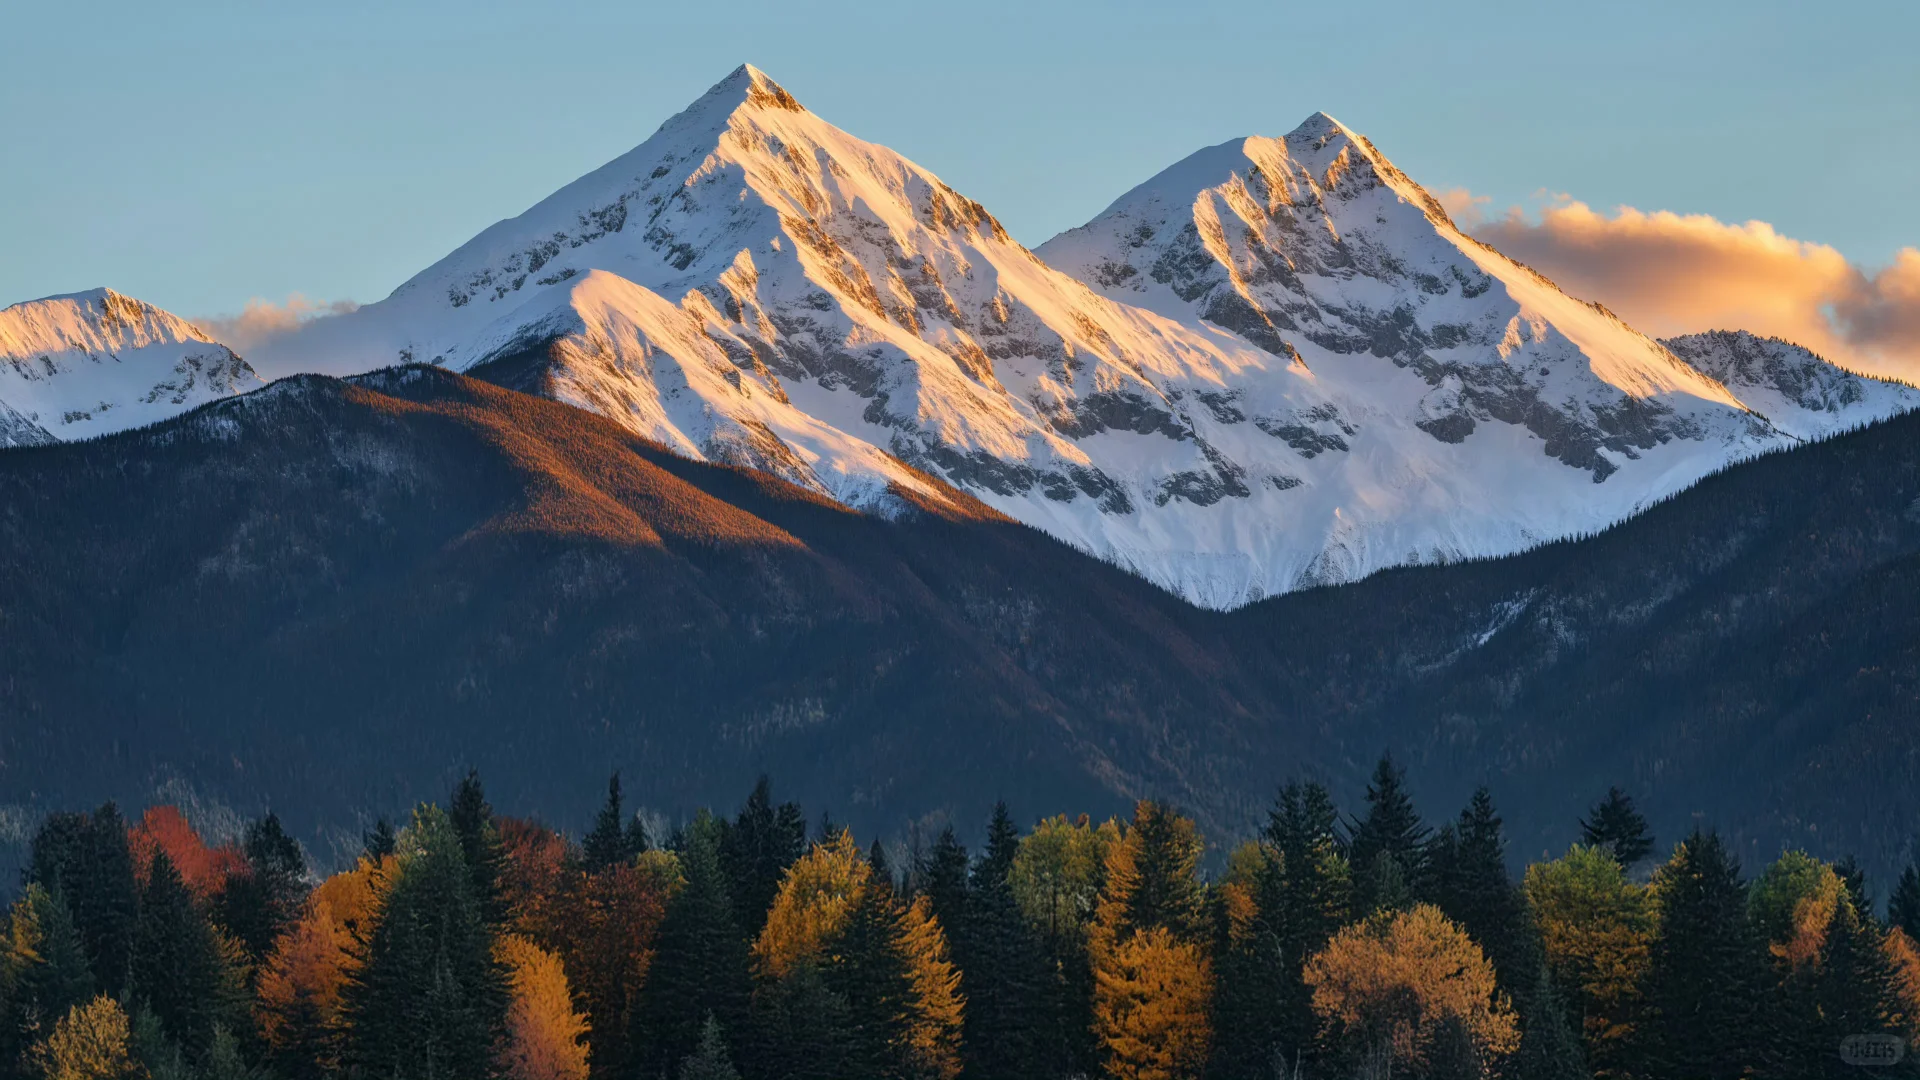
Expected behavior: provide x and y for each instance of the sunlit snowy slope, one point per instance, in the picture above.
(86, 364)
(1276, 364)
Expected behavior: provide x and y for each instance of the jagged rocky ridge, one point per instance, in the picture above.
(1796, 389)
(96, 362)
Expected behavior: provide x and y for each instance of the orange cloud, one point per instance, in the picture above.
(1669, 273)
(263, 320)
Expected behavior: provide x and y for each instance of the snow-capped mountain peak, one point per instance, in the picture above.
(1275, 364)
(89, 363)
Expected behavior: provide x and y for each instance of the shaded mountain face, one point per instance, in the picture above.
(92, 363)
(1275, 365)
(342, 593)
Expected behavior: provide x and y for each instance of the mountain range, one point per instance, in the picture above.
(333, 596)
(762, 449)
(1276, 364)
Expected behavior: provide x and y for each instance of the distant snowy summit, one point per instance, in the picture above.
(92, 363)
(1801, 392)
(1274, 365)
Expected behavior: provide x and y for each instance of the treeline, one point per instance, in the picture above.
(468, 944)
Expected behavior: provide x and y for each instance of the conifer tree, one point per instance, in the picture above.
(756, 848)
(1311, 891)
(85, 857)
(1249, 979)
(43, 971)
(181, 968)
(1549, 1047)
(1470, 886)
(377, 842)
(260, 903)
(944, 880)
(1152, 979)
(1002, 961)
(614, 839)
(425, 1001)
(1903, 907)
(710, 1060)
(1705, 970)
(1616, 825)
(471, 818)
(1387, 847)
(699, 978)
(1857, 989)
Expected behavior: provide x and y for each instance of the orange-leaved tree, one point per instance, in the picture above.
(1152, 979)
(543, 1040)
(1386, 989)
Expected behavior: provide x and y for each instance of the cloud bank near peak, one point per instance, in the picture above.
(1668, 273)
(261, 322)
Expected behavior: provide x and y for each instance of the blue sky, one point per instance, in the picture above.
(196, 154)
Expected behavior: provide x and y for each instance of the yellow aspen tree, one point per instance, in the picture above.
(544, 1036)
(89, 1043)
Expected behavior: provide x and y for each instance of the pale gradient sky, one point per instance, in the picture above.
(197, 153)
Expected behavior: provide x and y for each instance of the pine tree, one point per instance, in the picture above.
(1549, 1047)
(944, 880)
(1309, 900)
(260, 903)
(44, 969)
(710, 1060)
(1001, 960)
(699, 978)
(1470, 885)
(1614, 824)
(377, 843)
(1903, 908)
(1387, 847)
(756, 849)
(611, 841)
(180, 968)
(874, 982)
(1856, 989)
(471, 817)
(85, 858)
(1250, 983)
(425, 1000)
(1705, 971)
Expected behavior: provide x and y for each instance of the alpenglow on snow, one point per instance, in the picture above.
(1276, 364)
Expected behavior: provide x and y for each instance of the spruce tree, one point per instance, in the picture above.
(1549, 1047)
(180, 969)
(1387, 847)
(1903, 907)
(756, 849)
(944, 879)
(1002, 962)
(1470, 885)
(377, 842)
(1311, 894)
(611, 841)
(1249, 982)
(43, 969)
(259, 903)
(1614, 824)
(85, 858)
(1856, 989)
(874, 981)
(425, 1000)
(1705, 975)
(471, 818)
(710, 1060)
(699, 978)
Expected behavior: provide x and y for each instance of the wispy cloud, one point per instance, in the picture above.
(1669, 273)
(261, 321)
